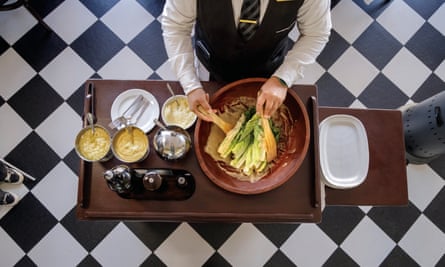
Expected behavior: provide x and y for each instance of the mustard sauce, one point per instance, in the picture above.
(130, 145)
(177, 112)
(94, 146)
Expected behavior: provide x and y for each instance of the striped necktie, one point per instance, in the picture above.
(249, 18)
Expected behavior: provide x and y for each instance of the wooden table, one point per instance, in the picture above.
(298, 200)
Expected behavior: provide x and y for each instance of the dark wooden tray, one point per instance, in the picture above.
(297, 200)
(386, 182)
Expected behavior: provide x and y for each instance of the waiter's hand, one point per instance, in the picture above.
(270, 97)
(199, 97)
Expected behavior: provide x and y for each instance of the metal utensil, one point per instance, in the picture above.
(91, 99)
(90, 120)
(172, 93)
(128, 113)
(160, 124)
(142, 110)
(170, 89)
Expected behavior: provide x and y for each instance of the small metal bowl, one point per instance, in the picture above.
(172, 142)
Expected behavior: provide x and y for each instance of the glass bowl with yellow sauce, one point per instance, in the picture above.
(130, 144)
(176, 112)
(94, 145)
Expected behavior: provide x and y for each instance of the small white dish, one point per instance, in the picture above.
(344, 152)
(123, 101)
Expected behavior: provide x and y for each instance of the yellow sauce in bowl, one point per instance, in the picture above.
(93, 146)
(176, 112)
(130, 144)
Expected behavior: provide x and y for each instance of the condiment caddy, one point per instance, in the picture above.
(150, 184)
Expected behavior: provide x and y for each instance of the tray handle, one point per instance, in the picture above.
(315, 131)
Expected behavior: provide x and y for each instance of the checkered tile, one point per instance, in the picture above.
(381, 54)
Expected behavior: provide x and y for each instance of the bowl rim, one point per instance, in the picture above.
(167, 101)
(85, 128)
(268, 182)
(116, 155)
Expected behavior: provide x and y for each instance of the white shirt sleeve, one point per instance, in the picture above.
(177, 20)
(314, 25)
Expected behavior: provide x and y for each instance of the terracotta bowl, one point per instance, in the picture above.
(286, 164)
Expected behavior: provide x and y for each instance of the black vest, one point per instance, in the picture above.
(223, 52)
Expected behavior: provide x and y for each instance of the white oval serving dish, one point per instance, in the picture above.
(344, 152)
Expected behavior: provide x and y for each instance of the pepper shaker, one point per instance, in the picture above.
(119, 179)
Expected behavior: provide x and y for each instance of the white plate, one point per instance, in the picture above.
(123, 101)
(344, 153)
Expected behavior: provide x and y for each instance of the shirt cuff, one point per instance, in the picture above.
(290, 74)
(189, 83)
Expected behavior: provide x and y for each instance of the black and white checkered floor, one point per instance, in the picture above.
(381, 55)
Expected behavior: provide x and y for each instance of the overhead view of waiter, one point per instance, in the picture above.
(236, 39)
